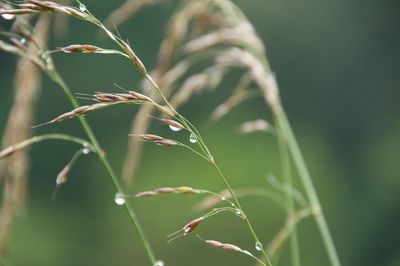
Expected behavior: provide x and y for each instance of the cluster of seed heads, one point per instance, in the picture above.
(107, 99)
(38, 6)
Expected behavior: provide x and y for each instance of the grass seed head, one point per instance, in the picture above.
(192, 225)
(166, 142)
(79, 48)
(151, 137)
(62, 176)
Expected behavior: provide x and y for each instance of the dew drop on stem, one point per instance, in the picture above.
(259, 246)
(238, 212)
(159, 263)
(85, 149)
(82, 7)
(119, 199)
(193, 138)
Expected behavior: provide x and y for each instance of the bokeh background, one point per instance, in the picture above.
(337, 63)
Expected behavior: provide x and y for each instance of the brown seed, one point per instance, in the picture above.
(151, 137)
(214, 243)
(172, 123)
(145, 194)
(140, 96)
(135, 58)
(79, 48)
(62, 176)
(166, 142)
(231, 247)
(191, 226)
(165, 190)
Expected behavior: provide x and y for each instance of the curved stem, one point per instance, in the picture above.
(53, 74)
(11, 149)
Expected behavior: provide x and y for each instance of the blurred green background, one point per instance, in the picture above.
(337, 63)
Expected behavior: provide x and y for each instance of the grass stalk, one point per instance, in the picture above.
(54, 75)
(236, 201)
(309, 188)
(287, 177)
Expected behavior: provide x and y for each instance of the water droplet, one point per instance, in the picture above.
(82, 7)
(23, 40)
(223, 198)
(238, 212)
(86, 149)
(259, 246)
(119, 199)
(193, 138)
(174, 128)
(159, 263)
(8, 16)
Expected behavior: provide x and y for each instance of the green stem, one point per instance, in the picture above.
(305, 178)
(11, 149)
(236, 200)
(53, 74)
(287, 177)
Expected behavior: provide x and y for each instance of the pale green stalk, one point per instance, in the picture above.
(309, 188)
(287, 177)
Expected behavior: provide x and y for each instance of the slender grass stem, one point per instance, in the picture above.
(36, 139)
(54, 75)
(236, 200)
(309, 188)
(287, 177)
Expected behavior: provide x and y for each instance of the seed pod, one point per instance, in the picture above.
(214, 243)
(151, 137)
(186, 190)
(135, 58)
(166, 110)
(191, 226)
(140, 96)
(79, 48)
(62, 176)
(165, 190)
(172, 123)
(145, 194)
(166, 142)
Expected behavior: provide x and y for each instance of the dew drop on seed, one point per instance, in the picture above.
(259, 246)
(8, 16)
(159, 263)
(192, 138)
(238, 212)
(174, 128)
(119, 199)
(82, 7)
